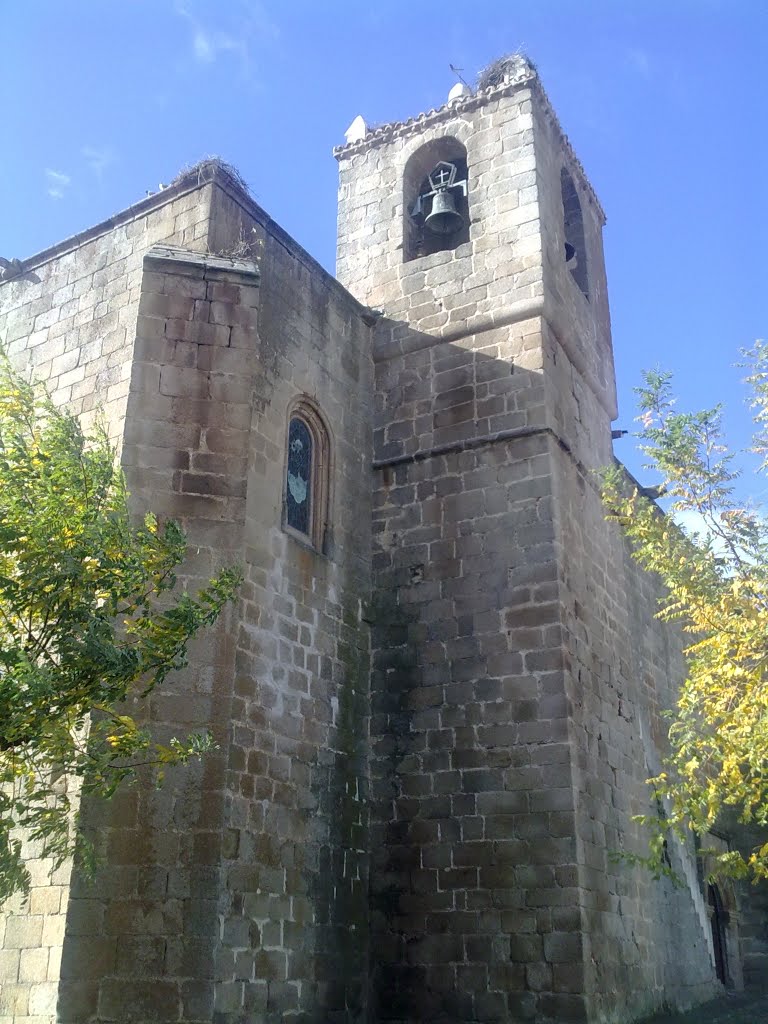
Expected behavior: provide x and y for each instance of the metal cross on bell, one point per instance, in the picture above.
(443, 217)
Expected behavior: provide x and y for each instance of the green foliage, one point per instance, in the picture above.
(89, 616)
(716, 587)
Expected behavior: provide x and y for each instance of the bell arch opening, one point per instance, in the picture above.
(573, 224)
(435, 199)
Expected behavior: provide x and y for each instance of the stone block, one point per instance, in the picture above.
(197, 332)
(243, 337)
(526, 949)
(45, 901)
(14, 1001)
(178, 381)
(53, 930)
(9, 965)
(234, 315)
(197, 998)
(54, 963)
(33, 965)
(228, 997)
(43, 999)
(562, 1007)
(23, 932)
(436, 949)
(88, 957)
(179, 286)
(138, 1002)
(568, 977)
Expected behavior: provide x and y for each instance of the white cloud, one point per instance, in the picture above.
(243, 27)
(57, 183)
(206, 46)
(203, 48)
(56, 177)
(98, 159)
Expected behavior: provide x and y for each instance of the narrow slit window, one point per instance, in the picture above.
(573, 224)
(298, 492)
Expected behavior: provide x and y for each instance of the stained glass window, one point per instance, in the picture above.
(309, 465)
(298, 490)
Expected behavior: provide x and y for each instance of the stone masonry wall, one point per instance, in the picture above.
(141, 939)
(71, 317)
(621, 666)
(750, 904)
(646, 942)
(582, 326)
(239, 889)
(475, 880)
(519, 673)
(474, 884)
(294, 939)
(430, 741)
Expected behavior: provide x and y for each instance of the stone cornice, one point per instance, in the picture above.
(187, 259)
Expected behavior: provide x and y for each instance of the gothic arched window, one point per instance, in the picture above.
(307, 475)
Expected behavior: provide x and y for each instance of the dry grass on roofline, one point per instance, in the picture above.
(244, 248)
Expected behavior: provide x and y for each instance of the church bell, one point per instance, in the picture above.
(443, 218)
(439, 191)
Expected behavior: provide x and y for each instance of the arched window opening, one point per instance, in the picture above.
(573, 222)
(435, 199)
(307, 475)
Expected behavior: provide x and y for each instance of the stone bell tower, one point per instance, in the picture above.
(515, 660)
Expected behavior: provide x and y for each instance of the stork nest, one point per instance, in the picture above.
(500, 69)
(205, 169)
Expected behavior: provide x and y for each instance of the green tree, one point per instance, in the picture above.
(716, 586)
(90, 614)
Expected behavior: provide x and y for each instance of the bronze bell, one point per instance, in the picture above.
(444, 218)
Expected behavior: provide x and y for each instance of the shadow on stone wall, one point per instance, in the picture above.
(506, 756)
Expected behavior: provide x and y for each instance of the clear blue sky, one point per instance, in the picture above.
(666, 104)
